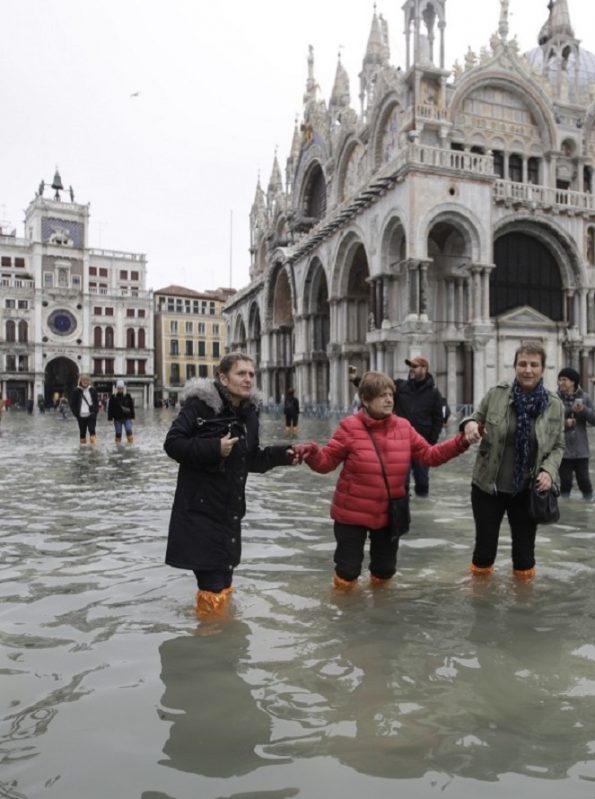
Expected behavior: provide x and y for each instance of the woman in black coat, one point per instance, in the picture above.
(215, 441)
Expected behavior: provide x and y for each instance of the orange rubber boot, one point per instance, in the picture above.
(209, 603)
(379, 582)
(481, 571)
(130, 438)
(524, 574)
(343, 585)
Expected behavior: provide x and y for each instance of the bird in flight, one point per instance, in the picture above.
(135, 94)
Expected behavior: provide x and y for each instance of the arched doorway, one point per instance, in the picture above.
(282, 343)
(61, 376)
(526, 273)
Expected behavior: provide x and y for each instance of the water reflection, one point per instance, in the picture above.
(216, 726)
(439, 683)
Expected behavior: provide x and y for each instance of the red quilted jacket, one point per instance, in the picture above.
(360, 497)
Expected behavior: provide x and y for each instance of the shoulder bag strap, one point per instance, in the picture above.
(380, 458)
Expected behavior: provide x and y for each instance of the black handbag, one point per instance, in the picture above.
(399, 517)
(543, 505)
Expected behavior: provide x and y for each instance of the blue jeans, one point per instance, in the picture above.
(127, 424)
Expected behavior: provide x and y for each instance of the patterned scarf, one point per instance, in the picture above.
(528, 405)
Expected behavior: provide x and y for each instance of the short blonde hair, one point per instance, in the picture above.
(373, 385)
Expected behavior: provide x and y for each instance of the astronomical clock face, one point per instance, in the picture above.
(62, 322)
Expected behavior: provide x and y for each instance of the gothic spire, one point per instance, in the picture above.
(340, 97)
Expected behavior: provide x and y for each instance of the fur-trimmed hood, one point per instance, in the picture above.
(213, 394)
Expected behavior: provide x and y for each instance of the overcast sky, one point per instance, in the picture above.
(171, 172)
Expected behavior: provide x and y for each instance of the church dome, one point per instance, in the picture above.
(580, 69)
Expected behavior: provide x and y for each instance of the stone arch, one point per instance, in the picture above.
(313, 195)
(386, 130)
(553, 238)
(350, 169)
(390, 293)
(511, 83)
(239, 334)
(316, 305)
(254, 333)
(61, 376)
(393, 243)
(316, 334)
(351, 288)
(11, 331)
(464, 221)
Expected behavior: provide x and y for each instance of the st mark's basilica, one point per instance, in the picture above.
(444, 212)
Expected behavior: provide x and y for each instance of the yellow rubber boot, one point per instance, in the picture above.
(130, 438)
(93, 439)
(524, 574)
(481, 571)
(343, 585)
(211, 604)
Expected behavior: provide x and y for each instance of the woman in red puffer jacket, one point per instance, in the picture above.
(360, 504)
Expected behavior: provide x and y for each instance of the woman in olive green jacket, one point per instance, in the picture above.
(521, 429)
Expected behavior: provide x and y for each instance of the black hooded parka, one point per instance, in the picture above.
(209, 503)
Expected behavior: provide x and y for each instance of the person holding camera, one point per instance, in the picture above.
(578, 413)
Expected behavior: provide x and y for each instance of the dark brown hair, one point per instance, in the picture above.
(374, 384)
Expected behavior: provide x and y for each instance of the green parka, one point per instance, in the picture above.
(493, 413)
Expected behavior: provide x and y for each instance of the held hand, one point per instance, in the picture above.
(304, 451)
(543, 482)
(227, 444)
(292, 456)
(472, 432)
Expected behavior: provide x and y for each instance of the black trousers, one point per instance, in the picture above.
(349, 553)
(212, 580)
(488, 512)
(87, 423)
(580, 468)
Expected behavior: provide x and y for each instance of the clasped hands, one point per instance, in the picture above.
(301, 452)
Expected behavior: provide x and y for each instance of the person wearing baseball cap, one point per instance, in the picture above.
(419, 400)
(120, 410)
(578, 413)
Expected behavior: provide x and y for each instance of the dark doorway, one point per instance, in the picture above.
(526, 273)
(61, 376)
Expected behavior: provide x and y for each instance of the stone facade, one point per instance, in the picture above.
(67, 309)
(451, 215)
(190, 334)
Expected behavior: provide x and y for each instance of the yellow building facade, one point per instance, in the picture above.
(190, 335)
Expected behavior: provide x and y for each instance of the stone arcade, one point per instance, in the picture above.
(451, 215)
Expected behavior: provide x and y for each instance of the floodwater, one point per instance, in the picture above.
(439, 685)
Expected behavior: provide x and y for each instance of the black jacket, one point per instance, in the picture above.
(76, 398)
(120, 407)
(421, 403)
(204, 528)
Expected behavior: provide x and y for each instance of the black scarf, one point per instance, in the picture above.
(528, 405)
